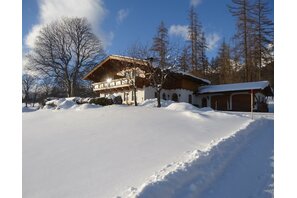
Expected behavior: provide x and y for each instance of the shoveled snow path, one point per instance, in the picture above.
(238, 166)
(250, 173)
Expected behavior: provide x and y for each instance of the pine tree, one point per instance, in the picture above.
(242, 10)
(194, 31)
(203, 57)
(160, 45)
(184, 60)
(213, 74)
(263, 34)
(224, 64)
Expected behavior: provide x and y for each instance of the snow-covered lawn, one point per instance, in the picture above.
(176, 151)
(30, 107)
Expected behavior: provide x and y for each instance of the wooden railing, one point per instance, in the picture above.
(122, 82)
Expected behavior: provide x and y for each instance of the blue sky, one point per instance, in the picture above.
(120, 23)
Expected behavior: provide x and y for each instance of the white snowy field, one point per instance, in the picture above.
(175, 151)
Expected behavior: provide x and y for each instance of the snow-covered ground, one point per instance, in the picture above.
(174, 151)
(29, 107)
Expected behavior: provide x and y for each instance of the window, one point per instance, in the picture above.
(174, 97)
(164, 96)
(190, 98)
(126, 96)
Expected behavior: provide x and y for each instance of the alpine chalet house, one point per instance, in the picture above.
(118, 75)
(235, 97)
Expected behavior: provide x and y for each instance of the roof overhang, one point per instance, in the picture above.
(118, 63)
(262, 86)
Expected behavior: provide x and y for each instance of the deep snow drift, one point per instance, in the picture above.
(92, 151)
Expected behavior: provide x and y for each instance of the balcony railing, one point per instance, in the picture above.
(117, 83)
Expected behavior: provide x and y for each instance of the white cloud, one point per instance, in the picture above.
(179, 30)
(50, 10)
(212, 41)
(30, 38)
(195, 2)
(122, 14)
(24, 63)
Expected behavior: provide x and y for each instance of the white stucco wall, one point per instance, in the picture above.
(139, 96)
(149, 93)
(183, 94)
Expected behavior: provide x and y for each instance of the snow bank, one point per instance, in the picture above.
(181, 106)
(54, 104)
(69, 103)
(201, 175)
(87, 106)
(154, 103)
(29, 107)
(152, 152)
(270, 103)
(66, 104)
(192, 111)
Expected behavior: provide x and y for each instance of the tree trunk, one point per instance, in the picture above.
(159, 98)
(72, 94)
(34, 99)
(135, 97)
(26, 100)
(70, 89)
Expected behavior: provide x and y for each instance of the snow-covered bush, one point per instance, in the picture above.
(82, 100)
(51, 105)
(101, 101)
(117, 100)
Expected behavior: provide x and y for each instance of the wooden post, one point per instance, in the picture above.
(252, 104)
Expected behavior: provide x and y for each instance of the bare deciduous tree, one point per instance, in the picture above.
(27, 84)
(139, 52)
(66, 50)
(46, 85)
(159, 74)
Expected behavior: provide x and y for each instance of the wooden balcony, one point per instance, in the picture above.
(116, 83)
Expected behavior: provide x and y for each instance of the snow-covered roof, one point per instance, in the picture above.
(129, 58)
(192, 76)
(234, 87)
